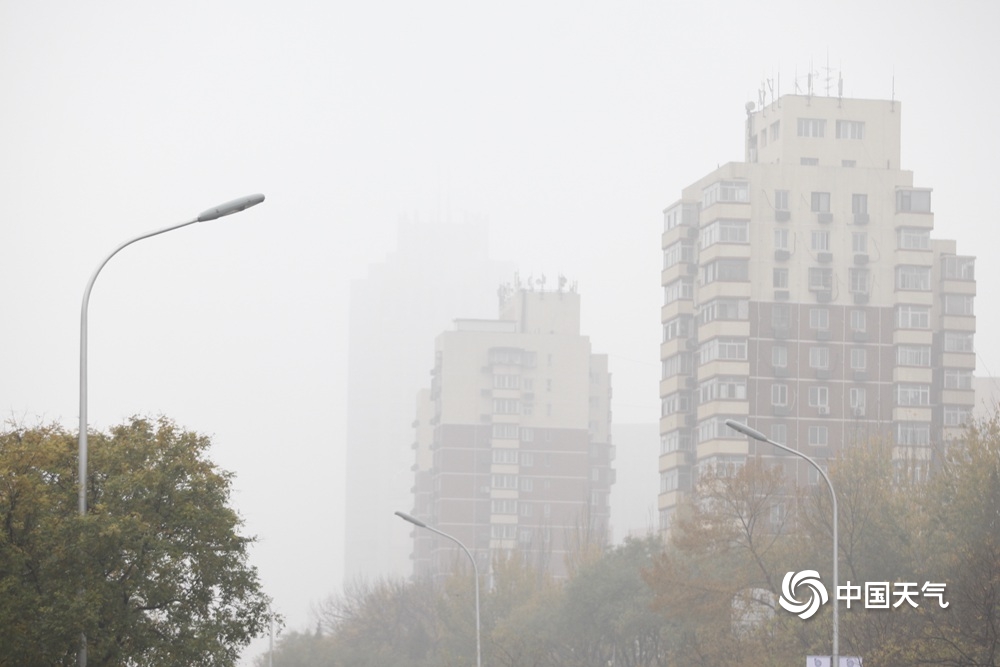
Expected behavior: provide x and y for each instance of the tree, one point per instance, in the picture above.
(156, 572)
(607, 615)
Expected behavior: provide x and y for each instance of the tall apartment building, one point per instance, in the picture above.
(804, 295)
(513, 446)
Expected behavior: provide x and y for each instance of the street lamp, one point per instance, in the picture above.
(234, 206)
(757, 435)
(420, 524)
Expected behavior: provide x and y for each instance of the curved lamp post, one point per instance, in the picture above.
(757, 435)
(219, 211)
(420, 524)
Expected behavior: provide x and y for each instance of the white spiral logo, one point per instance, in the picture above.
(817, 596)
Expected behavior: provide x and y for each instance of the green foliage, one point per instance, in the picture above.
(155, 573)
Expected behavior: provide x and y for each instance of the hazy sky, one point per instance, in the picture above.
(568, 125)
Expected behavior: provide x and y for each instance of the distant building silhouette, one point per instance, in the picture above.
(437, 270)
(803, 294)
(513, 447)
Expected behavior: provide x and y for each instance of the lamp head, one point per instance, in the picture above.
(746, 430)
(412, 519)
(230, 207)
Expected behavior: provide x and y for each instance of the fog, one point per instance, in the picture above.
(563, 128)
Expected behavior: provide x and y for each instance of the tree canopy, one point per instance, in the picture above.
(155, 573)
(709, 594)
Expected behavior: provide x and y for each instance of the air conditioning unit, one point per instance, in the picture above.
(782, 216)
(824, 218)
(824, 409)
(858, 411)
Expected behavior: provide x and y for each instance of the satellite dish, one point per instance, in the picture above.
(750, 106)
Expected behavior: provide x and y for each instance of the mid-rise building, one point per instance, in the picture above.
(513, 446)
(803, 294)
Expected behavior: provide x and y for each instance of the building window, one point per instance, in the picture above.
(819, 318)
(818, 437)
(859, 280)
(731, 349)
(779, 433)
(957, 342)
(725, 270)
(779, 356)
(913, 238)
(913, 433)
(683, 288)
(527, 459)
(811, 127)
(958, 268)
(913, 394)
(859, 204)
(958, 304)
(723, 388)
(820, 278)
(679, 327)
(819, 358)
(913, 201)
(775, 130)
(956, 415)
(725, 231)
(859, 242)
(678, 364)
(781, 200)
(913, 317)
(682, 251)
(504, 481)
(859, 358)
(505, 356)
(724, 309)
(916, 278)
(715, 427)
(809, 161)
(820, 240)
(503, 531)
(781, 315)
(779, 277)
(674, 442)
(726, 192)
(781, 239)
(819, 397)
(505, 431)
(913, 355)
(503, 506)
(859, 320)
(505, 456)
(819, 202)
(527, 484)
(676, 402)
(850, 129)
(779, 395)
(957, 379)
(506, 406)
(858, 398)
(505, 381)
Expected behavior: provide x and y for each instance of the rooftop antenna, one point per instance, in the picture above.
(892, 103)
(809, 80)
(827, 71)
(840, 88)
